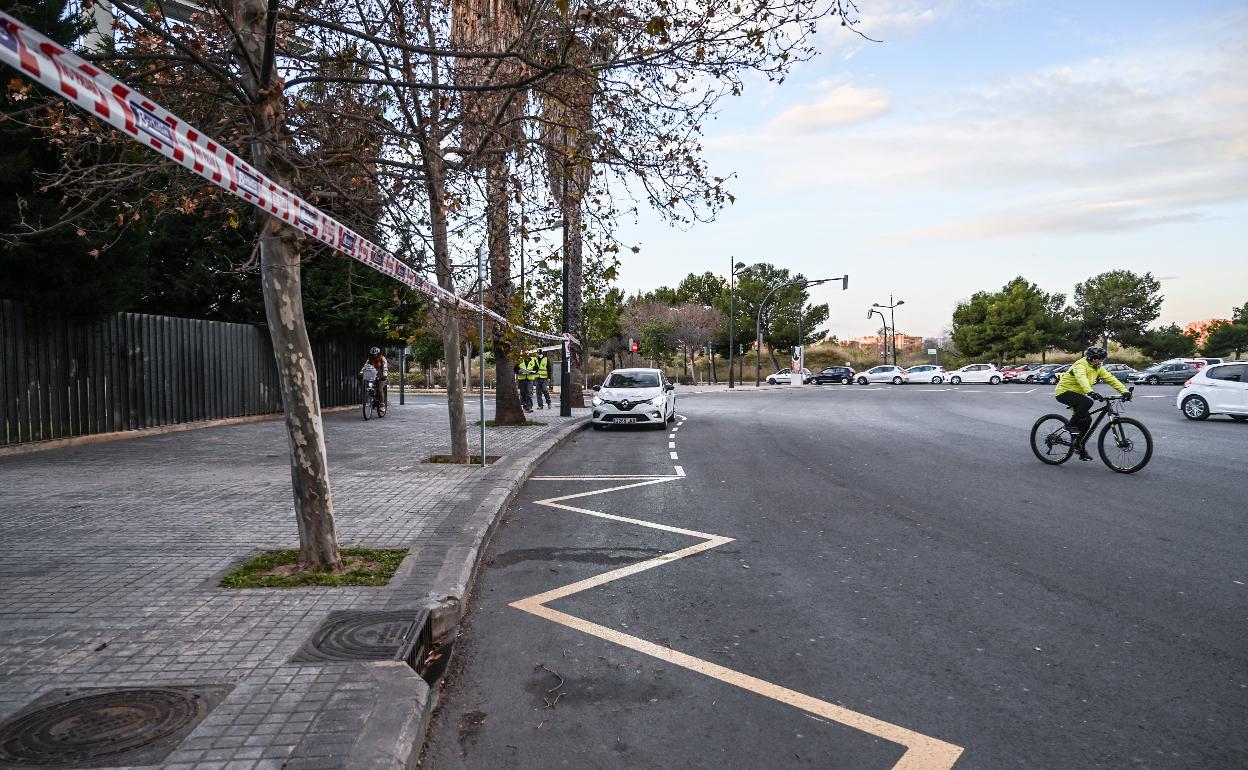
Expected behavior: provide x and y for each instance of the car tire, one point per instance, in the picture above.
(1153, 380)
(955, 380)
(771, 381)
(1195, 408)
(862, 380)
(846, 380)
(994, 380)
(896, 380)
(596, 426)
(937, 380)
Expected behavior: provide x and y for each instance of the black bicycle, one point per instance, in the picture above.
(374, 399)
(1124, 444)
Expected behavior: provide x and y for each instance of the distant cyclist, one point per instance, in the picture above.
(378, 362)
(1074, 389)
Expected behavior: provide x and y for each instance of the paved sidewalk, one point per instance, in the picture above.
(112, 552)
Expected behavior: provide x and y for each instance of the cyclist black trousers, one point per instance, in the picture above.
(1081, 404)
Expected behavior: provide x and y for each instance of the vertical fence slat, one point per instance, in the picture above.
(8, 372)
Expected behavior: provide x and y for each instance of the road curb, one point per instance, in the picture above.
(459, 568)
(395, 739)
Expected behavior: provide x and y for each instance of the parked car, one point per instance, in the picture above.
(927, 373)
(976, 373)
(786, 375)
(1118, 370)
(1017, 371)
(1164, 373)
(1216, 389)
(893, 374)
(634, 396)
(1212, 361)
(834, 374)
(1035, 374)
(1053, 375)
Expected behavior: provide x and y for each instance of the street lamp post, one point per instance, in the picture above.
(883, 320)
(893, 316)
(736, 268)
(758, 322)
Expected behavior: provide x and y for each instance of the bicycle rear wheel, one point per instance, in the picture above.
(1125, 445)
(1050, 439)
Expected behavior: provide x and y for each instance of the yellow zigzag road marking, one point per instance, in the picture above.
(922, 752)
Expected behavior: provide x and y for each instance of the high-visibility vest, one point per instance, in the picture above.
(543, 368)
(530, 364)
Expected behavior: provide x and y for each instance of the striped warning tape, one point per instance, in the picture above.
(129, 111)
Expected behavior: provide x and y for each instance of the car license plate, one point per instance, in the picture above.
(623, 419)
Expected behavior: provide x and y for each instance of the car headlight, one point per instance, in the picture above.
(658, 400)
(597, 401)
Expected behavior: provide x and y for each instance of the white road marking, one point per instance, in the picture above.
(674, 457)
(672, 434)
(680, 471)
(922, 752)
(671, 445)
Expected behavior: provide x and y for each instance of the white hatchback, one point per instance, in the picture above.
(1216, 389)
(634, 397)
(893, 374)
(927, 373)
(976, 373)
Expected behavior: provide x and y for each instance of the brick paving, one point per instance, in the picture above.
(112, 553)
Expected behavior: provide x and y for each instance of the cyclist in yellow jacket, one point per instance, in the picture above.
(1074, 389)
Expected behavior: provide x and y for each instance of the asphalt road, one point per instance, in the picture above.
(905, 583)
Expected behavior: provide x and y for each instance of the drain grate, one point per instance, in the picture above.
(369, 635)
(94, 726)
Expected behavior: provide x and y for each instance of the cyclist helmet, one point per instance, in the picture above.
(374, 351)
(1095, 352)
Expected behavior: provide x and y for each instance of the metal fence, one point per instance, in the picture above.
(61, 377)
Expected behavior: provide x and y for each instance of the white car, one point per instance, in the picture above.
(894, 374)
(927, 373)
(1216, 389)
(786, 376)
(634, 397)
(976, 373)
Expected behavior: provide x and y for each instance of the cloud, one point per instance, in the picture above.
(1141, 138)
(845, 105)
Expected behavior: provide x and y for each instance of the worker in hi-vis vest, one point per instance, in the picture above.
(525, 367)
(543, 379)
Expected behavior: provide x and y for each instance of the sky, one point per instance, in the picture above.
(983, 140)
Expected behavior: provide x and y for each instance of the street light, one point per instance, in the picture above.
(893, 316)
(737, 269)
(758, 323)
(884, 321)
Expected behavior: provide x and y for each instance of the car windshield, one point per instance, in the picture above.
(632, 380)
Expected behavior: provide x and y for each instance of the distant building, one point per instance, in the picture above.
(1200, 329)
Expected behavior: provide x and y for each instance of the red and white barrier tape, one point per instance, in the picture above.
(148, 123)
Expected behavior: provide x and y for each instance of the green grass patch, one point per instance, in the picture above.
(280, 569)
(525, 424)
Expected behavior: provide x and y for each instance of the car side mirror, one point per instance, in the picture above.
(597, 388)
(670, 386)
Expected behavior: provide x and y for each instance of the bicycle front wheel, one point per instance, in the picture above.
(1125, 445)
(1050, 439)
(367, 405)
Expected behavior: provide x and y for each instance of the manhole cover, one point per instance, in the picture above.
(363, 635)
(94, 727)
